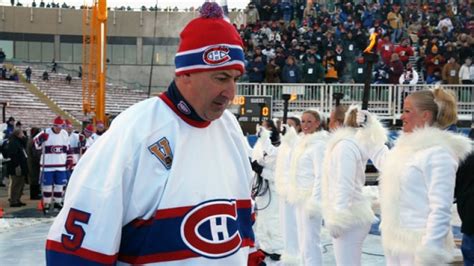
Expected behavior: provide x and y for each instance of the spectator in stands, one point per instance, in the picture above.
(287, 9)
(33, 161)
(359, 70)
(466, 72)
(54, 66)
(434, 61)
(45, 76)
(33, 4)
(465, 45)
(79, 74)
(252, 14)
(28, 74)
(385, 48)
(396, 23)
(409, 76)
(291, 72)
(405, 51)
(10, 127)
(381, 73)
(2, 56)
(313, 71)
(340, 61)
(450, 72)
(256, 69)
(4, 73)
(42, 4)
(272, 72)
(329, 64)
(17, 167)
(68, 79)
(435, 77)
(395, 69)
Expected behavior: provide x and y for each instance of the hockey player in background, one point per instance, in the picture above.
(54, 145)
(99, 130)
(74, 147)
(171, 183)
(86, 139)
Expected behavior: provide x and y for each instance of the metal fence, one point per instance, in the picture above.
(385, 99)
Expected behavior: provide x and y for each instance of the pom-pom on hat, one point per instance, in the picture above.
(58, 121)
(209, 43)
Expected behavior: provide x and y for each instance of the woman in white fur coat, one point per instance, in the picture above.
(417, 179)
(304, 186)
(347, 213)
(287, 209)
(267, 226)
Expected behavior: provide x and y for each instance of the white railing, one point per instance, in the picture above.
(385, 99)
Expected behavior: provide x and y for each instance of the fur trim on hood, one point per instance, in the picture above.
(396, 239)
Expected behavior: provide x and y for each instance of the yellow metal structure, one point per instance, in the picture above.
(94, 43)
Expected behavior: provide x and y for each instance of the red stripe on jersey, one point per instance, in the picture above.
(52, 165)
(181, 211)
(186, 119)
(171, 256)
(82, 252)
(168, 256)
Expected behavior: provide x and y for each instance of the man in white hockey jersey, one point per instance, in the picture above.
(54, 144)
(169, 183)
(74, 147)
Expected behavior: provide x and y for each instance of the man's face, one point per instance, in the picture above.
(56, 129)
(211, 92)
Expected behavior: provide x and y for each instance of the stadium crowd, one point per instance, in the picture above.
(295, 41)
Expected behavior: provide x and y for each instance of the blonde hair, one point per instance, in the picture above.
(340, 113)
(350, 119)
(440, 102)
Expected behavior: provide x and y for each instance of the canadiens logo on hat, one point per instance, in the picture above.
(216, 55)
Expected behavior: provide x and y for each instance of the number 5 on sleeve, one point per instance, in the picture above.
(75, 233)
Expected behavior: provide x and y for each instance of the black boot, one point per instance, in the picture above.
(35, 193)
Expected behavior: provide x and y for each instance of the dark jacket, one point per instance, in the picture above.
(17, 154)
(464, 194)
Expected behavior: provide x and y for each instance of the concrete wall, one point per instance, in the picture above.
(58, 25)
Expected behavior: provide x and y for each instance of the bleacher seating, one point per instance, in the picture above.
(24, 106)
(69, 96)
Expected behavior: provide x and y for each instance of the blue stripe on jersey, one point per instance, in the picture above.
(163, 234)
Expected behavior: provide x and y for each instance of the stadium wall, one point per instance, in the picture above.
(39, 35)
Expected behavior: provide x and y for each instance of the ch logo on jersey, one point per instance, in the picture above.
(183, 107)
(211, 230)
(162, 151)
(216, 55)
(57, 149)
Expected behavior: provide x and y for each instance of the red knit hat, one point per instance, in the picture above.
(67, 124)
(89, 129)
(209, 43)
(58, 121)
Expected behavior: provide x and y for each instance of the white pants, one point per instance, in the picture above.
(289, 230)
(400, 260)
(309, 236)
(348, 247)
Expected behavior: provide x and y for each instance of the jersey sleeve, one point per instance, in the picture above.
(88, 229)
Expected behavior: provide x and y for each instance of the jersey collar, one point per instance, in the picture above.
(173, 98)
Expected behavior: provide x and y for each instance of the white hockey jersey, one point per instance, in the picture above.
(158, 189)
(74, 148)
(54, 150)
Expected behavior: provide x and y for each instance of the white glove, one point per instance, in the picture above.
(258, 130)
(362, 117)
